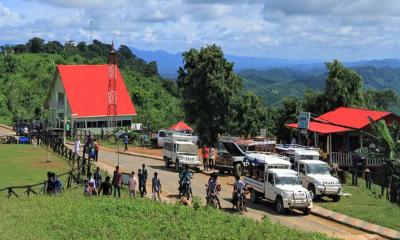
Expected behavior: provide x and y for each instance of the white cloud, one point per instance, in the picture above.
(290, 28)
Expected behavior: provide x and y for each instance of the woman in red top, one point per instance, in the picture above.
(96, 149)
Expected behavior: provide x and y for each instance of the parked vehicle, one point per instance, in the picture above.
(316, 177)
(297, 152)
(231, 152)
(272, 179)
(179, 150)
(163, 135)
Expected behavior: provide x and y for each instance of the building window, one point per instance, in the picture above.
(126, 123)
(60, 99)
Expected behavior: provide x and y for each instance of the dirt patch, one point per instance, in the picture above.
(48, 165)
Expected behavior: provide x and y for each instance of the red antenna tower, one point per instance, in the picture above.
(112, 89)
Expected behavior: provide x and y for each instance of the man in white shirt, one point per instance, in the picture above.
(93, 183)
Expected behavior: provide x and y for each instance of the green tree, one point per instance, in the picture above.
(287, 114)
(35, 45)
(344, 87)
(53, 47)
(380, 100)
(207, 84)
(248, 115)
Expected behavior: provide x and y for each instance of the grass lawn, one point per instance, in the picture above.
(367, 206)
(21, 165)
(73, 216)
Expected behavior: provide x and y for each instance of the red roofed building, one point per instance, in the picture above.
(79, 95)
(341, 130)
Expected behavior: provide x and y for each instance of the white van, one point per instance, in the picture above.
(180, 150)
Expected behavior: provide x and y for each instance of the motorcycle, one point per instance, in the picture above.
(212, 197)
(239, 200)
(185, 189)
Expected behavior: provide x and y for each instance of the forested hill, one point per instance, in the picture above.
(275, 84)
(26, 71)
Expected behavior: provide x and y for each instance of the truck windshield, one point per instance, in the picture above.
(187, 148)
(317, 169)
(288, 179)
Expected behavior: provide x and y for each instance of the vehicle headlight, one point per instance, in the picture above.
(288, 195)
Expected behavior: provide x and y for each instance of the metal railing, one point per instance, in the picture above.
(346, 159)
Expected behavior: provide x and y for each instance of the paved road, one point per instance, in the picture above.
(169, 179)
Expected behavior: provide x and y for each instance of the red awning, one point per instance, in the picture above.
(322, 128)
(356, 118)
(180, 126)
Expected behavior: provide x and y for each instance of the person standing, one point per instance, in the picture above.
(368, 178)
(97, 177)
(144, 172)
(126, 141)
(117, 180)
(211, 157)
(141, 180)
(77, 146)
(96, 150)
(146, 139)
(156, 187)
(206, 153)
(132, 185)
(106, 187)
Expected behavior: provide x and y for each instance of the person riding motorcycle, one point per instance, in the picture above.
(213, 188)
(238, 187)
(184, 177)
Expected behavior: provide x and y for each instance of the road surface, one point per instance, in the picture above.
(169, 180)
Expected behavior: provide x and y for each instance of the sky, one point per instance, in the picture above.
(348, 30)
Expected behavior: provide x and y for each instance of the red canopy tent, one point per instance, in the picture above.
(181, 125)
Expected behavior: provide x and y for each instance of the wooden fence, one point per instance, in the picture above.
(346, 159)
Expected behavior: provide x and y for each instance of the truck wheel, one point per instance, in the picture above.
(254, 196)
(177, 165)
(306, 211)
(279, 205)
(336, 198)
(238, 169)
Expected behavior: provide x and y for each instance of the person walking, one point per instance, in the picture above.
(368, 178)
(77, 146)
(211, 157)
(156, 187)
(206, 153)
(141, 181)
(126, 141)
(97, 177)
(106, 187)
(144, 172)
(117, 180)
(96, 149)
(132, 185)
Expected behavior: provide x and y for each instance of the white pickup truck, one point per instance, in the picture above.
(314, 174)
(271, 178)
(316, 177)
(180, 150)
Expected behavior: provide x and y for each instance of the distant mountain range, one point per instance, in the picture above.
(168, 63)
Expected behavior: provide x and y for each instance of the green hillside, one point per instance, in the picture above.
(26, 74)
(274, 84)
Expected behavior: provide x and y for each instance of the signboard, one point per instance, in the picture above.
(263, 132)
(304, 120)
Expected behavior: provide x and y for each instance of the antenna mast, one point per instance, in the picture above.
(112, 89)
